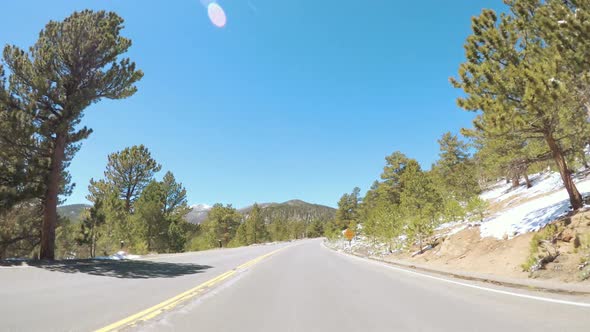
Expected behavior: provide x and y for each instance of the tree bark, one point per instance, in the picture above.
(93, 244)
(51, 199)
(515, 181)
(574, 195)
(527, 180)
(128, 200)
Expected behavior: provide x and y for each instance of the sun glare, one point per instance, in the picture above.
(216, 15)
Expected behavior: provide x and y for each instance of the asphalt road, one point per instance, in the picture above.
(304, 287)
(88, 296)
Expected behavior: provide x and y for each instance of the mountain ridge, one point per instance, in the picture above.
(291, 210)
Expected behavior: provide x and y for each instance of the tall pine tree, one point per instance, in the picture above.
(518, 76)
(73, 64)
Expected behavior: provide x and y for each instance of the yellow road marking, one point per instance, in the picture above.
(173, 302)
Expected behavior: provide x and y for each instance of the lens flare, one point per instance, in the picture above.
(216, 15)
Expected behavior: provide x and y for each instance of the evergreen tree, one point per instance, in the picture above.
(222, 224)
(73, 64)
(130, 171)
(241, 237)
(91, 223)
(150, 225)
(255, 227)
(174, 211)
(420, 202)
(118, 224)
(159, 217)
(523, 72)
(21, 166)
(175, 201)
(477, 209)
(394, 168)
(384, 223)
(278, 230)
(348, 208)
(20, 229)
(315, 229)
(455, 171)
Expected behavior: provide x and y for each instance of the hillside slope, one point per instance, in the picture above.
(502, 244)
(293, 210)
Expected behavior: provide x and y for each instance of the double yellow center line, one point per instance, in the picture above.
(171, 303)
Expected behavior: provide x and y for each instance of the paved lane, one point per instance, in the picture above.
(310, 288)
(85, 297)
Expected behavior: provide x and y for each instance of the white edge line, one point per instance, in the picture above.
(492, 290)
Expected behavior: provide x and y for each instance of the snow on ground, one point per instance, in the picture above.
(361, 243)
(120, 255)
(552, 203)
(542, 184)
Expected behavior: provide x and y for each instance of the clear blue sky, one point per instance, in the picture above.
(291, 99)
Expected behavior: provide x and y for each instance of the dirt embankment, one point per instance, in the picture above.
(467, 251)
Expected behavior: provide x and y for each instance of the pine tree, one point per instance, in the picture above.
(477, 208)
(455, 171)
(150, 223)
(175, 201)
(175, 209)
(518, 76)
(394, 168)
(278, 230)
(222, 224)
(420, 202)
(118, 224)
(384, 223)
(255, 227)
(20, 229)
(73, 64)
(89, 232)
(21, 167)
(348, 208)
(241, 236)
(129, 171)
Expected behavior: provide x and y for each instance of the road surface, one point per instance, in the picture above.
(304, 287)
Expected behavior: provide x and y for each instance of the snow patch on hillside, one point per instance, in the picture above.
(552, 203)
(201, 207)
(542, 184)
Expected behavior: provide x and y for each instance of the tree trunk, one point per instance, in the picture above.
(527, 180)
(51, 199)
(93, 244)
(575, 197)
(515, 181)
(128, 201)
(420, 238)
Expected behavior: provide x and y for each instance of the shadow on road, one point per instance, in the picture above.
(126, 269)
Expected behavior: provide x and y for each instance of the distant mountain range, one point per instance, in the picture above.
(293, 210)
(198, 213)
(72, 211)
